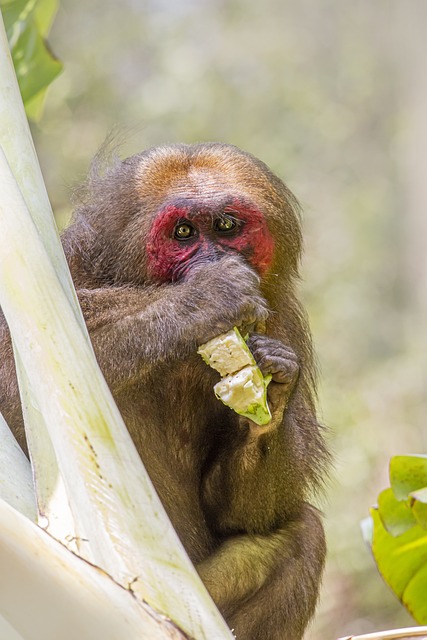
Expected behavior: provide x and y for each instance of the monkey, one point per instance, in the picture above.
(167, 249)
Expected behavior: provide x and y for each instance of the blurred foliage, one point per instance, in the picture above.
(27, 24)
(399, 534)
(332, 96)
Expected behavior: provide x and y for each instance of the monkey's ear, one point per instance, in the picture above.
(243, 387)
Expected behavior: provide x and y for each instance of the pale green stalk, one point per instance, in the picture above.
(123, 521)
(16, 485)
(15, 138)
(7, 631)
(119, 517)
(48, 593)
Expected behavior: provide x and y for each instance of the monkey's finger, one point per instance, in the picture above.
(281, 369)
(263, 345)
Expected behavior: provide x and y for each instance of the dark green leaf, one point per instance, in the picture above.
(34, 64)
(15, 13)
(27, 22)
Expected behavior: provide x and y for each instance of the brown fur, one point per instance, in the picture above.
(236, 494)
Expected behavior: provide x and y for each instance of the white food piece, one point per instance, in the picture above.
(244, 388)
(227, 353)
(245, 392)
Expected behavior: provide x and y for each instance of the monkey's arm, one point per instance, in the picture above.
(133, 328)
(267, 585)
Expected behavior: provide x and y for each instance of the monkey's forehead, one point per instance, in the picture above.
(196, 204)
(189, 184)
(195, 177)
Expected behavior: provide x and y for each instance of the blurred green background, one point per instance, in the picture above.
(332, 95)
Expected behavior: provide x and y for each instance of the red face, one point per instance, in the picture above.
(184, 232)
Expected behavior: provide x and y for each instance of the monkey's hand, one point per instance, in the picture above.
(279, 361)
(228, 293)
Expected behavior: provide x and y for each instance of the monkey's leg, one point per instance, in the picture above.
(267, 586)
(265, 582)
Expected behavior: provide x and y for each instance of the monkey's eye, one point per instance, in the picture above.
(225, 225)
(184, 231)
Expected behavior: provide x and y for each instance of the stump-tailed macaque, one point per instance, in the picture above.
(168, 249)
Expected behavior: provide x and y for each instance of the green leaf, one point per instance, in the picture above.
(34, 106)
(34, 63)
(415, 599)
(27, 23)
(402, 561)
(45, 12)
(396, 515)
(126, 526)
(14, 14)
(407, 474)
